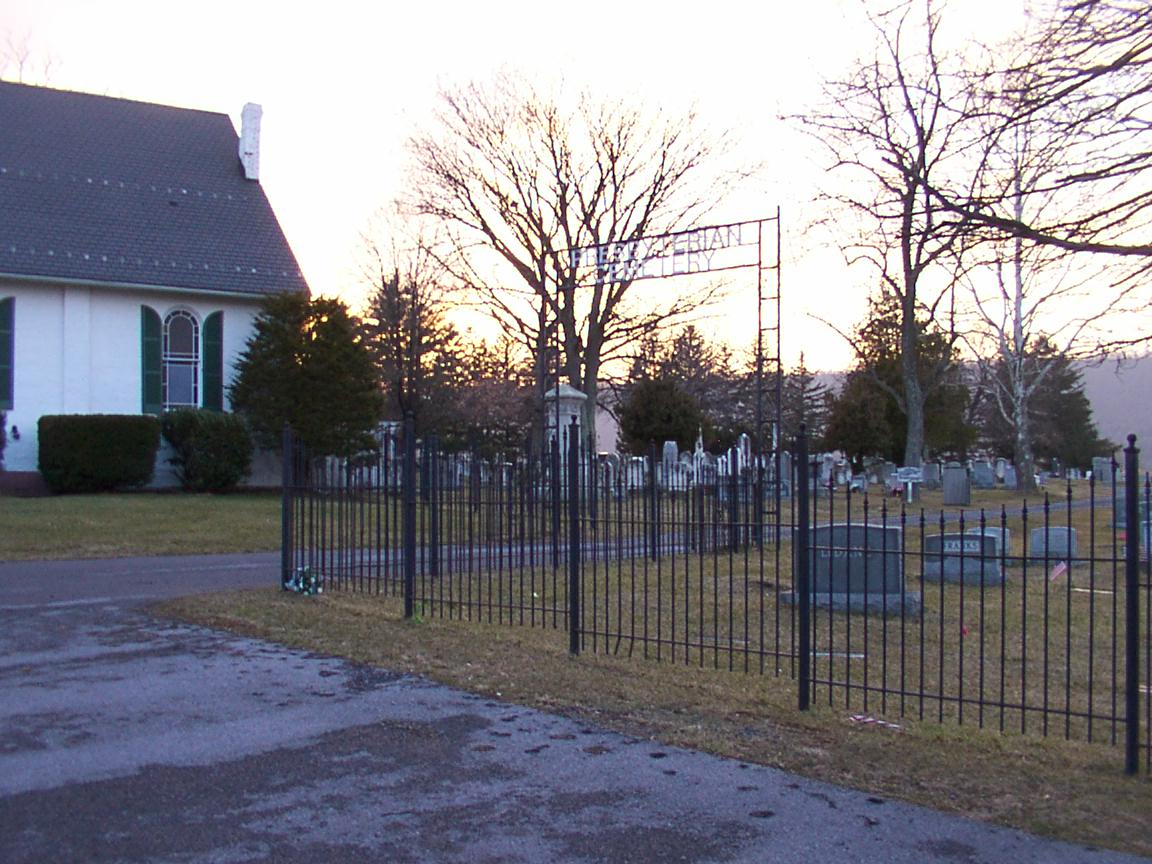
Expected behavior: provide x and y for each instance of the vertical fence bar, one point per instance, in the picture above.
(1132, 607)
(408, 482)
(653, 500)
(801, 574)
(574, 538)
(287, 503)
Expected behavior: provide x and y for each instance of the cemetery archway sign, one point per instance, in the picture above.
(706, 249)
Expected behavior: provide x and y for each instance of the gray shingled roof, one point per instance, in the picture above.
(115, 191)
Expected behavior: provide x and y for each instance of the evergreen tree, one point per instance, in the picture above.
(306, 365)
(803, 400)
(417, 351)
(657, 410)
(867, 418)
(702, 372)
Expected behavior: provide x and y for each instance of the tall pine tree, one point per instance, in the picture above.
(305, 365)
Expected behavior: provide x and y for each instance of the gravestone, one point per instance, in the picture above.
(907, 481)
(1102, 469)
(1120, 508)
(843, 473)
(786, 469)
(1011, 481)
(860, 568)
(983, 477)
(967, 558)
(636, 472)
(957, 488)
(827, 469)
(1001, 467)
(1002, 536)
(874, 469)
(670, 454)
(931, 473)
(1052, 544)
(609, 469)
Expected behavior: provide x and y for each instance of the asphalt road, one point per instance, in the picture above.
(128, 739)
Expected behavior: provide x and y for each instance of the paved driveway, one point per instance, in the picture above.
(127, 739)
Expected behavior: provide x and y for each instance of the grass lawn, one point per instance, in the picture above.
(143, 523)
(1070, 790)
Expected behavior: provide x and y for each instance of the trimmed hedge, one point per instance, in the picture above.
(213, 450)
(97, 452)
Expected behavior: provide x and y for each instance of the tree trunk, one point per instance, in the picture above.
(913, 392)
(1025, 461)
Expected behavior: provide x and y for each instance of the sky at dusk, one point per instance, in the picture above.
(343, 85)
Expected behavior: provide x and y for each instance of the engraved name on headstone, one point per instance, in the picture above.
(1002, 536)
(859, 567)
(967, 558)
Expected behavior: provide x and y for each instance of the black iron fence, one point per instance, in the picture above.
(1030, 615)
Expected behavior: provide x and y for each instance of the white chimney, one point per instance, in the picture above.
(250, 140)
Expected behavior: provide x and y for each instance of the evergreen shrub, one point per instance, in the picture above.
(97, 452)
(213, 450)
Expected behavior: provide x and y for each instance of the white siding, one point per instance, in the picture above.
(77, 351)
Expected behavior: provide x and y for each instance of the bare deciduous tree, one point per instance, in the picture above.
(20, 62)
(515, 178)
(1034, 168)
(1084, 79)
(895, 129)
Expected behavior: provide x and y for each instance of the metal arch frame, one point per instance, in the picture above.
(664, 247)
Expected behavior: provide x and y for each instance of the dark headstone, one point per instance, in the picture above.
(967, 558)
(1052, 544)
(860, 568)
(957, 488)
(931, 472)
(983, 477)
(1011, 481)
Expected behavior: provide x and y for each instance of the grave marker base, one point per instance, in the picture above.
(907, 603)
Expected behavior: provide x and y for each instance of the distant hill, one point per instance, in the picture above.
(1121, 397)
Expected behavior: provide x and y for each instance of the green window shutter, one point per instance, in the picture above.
(7, 352)
(214, 362)
(151, 358)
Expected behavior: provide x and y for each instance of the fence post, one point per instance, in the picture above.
(574, 586)
(287, 505)
(1132, 540)
(801, 577)
(408, 482)
(555, 466)
(432, 457)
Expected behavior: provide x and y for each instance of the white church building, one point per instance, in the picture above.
(136, 245)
